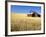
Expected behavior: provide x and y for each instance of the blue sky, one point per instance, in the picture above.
(25, 9)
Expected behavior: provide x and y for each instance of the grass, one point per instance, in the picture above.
(20, 22)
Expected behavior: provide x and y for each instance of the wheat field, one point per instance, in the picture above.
(21, 22)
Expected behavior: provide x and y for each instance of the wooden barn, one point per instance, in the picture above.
(33, 14)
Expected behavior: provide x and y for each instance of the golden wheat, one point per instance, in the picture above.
(20, 22)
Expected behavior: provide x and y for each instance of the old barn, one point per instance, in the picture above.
(33, 14)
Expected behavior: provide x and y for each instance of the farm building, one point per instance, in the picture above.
(33, 14)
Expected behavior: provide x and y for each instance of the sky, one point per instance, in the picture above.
(25, 9)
